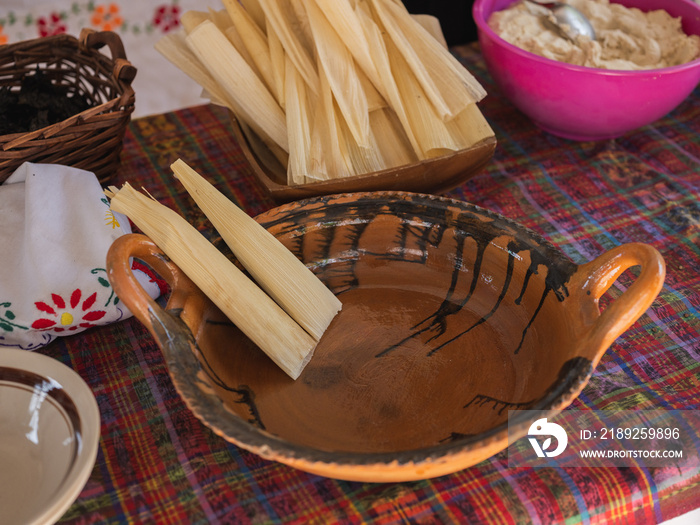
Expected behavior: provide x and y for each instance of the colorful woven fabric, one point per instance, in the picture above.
(158, 464)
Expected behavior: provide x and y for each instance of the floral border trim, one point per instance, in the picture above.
(102, 16)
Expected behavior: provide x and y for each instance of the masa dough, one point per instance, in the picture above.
(626, 38)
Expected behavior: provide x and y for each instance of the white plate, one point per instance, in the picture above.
(49, 432)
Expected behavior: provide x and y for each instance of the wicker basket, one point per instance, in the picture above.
(90, 140)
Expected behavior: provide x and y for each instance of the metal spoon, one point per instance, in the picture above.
(568, 21)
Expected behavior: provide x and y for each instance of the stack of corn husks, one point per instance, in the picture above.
(334, 88)
(284, 308)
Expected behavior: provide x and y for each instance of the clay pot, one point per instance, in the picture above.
(452, 316)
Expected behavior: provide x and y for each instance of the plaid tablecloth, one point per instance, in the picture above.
(158, 464)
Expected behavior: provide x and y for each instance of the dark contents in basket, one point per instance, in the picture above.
(37, 104)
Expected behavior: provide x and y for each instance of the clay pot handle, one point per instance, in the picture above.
(597, 276)
(127, 287)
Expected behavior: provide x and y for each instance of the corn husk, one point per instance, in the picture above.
(380, 56)
(470, 126)
(344, 19)
(319, 158)
(237, 41)
(277, 60)
(253, 8)
(329, 154)
(375, 100)
(284, 277)
(317, 161)
(221, 19)
(364, 158)
(448, 85)
(174, 47)
(339, 68)
(231, 71)
(238, 297)
(429, 128)
(223, 22)
(301, 22)
(299, 124)
(396, 148)
(191, 19)
(432, 25)
(255, 42)
(283, 20)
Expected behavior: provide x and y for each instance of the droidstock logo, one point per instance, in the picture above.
(542, 428)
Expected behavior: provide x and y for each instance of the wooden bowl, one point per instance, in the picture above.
(452, 316)
(437, 175)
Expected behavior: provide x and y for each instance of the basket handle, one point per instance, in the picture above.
(124, 71)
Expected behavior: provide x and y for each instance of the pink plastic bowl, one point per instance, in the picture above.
(583, 103)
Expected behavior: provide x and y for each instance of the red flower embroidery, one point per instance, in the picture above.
(62, 315)
(166, 17)
(51, 25)
(152, 276)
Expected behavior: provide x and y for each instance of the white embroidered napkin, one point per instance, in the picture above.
(55, 230)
